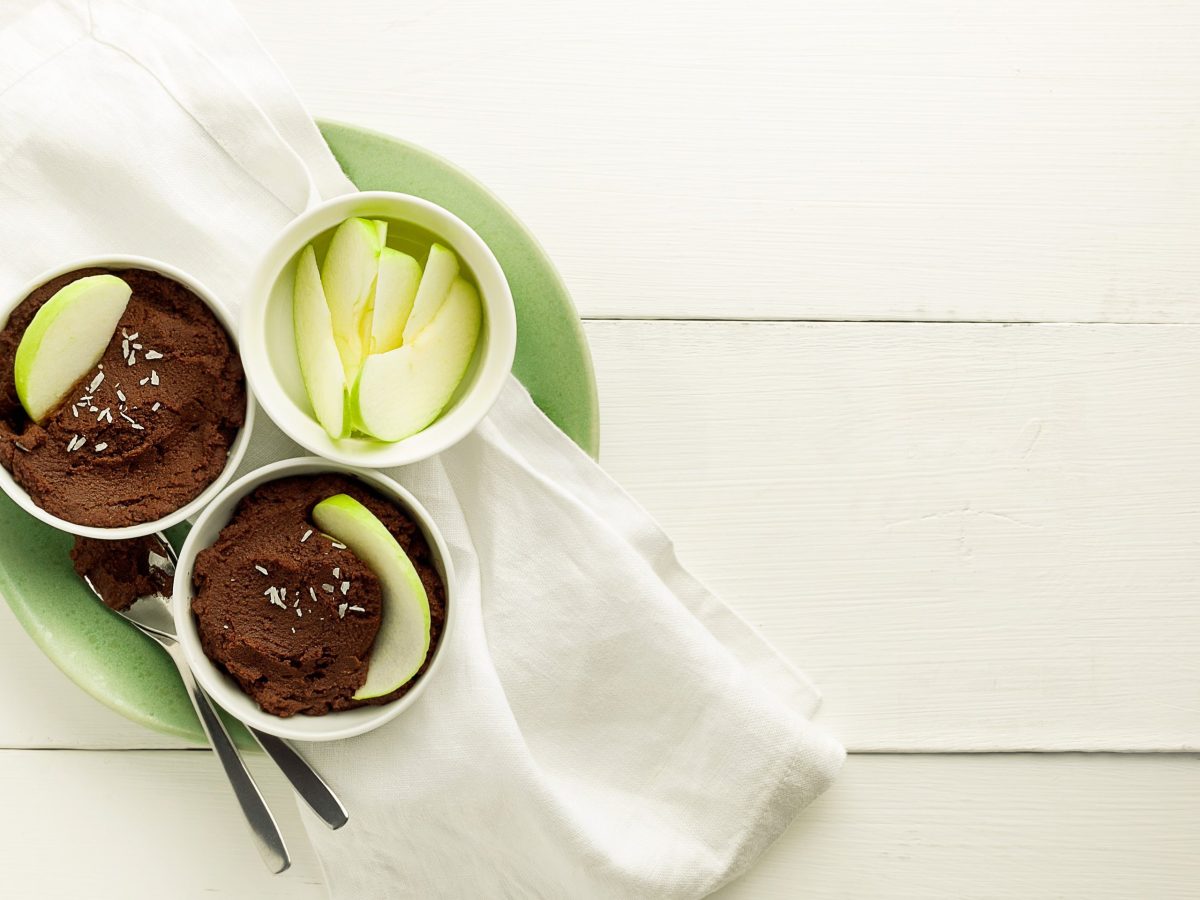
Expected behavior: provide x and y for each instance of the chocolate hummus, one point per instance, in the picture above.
(144, 432)
(120, 570)
(270, 604)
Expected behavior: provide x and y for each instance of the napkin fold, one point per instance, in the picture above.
(602, 725)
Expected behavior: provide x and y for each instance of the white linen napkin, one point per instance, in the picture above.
(602, 726)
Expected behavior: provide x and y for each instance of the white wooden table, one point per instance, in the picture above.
(896, 316)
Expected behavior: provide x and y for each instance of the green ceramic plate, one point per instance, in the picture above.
(105, 655)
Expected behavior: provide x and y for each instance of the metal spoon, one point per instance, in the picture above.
(151, 614)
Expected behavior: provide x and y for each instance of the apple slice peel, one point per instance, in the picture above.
(402, 642)
(317, 351)
(66, 338)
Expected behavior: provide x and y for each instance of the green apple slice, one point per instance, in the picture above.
(320, 363)
(348, 278)
(403, 639)
(404, 390)
(395, 291)
(66, 339)
(440, 271)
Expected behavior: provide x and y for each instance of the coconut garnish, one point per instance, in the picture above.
(152, 354)
(154, 378)
(100, 447)
(337, 571)
(327, 588)
(345, 588)
(338, 545)
(356, 609)
(306, 536)
(342, 607)
(261, 569)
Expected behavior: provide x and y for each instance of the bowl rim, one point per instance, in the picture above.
(237, 449)
(221, 687)
(453, 425)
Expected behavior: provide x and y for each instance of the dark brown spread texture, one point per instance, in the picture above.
(120, 570)
(291, 648)
(105, 461)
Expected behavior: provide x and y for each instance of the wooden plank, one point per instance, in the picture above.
(865, 159)
(992, 828)
(141, 824)
(972, 537)
(893, 826)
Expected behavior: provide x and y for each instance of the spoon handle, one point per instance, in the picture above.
(310, 786)
(267, 838)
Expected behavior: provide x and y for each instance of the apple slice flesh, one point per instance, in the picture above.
(66, 338)
(402, 642)
(402, 391)
(320, 362)
(348, 278)
(440, 271)
(395, 291)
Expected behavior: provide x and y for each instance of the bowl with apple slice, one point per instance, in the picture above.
(378, 330)
(123, 405)
(314, 600)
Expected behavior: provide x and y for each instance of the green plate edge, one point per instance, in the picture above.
(83, 638)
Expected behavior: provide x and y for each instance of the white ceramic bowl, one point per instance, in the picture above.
(236, 451)
(268, 340)
(220, 686)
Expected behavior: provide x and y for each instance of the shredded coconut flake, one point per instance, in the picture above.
(312, 594)
(338, 545)
(327, 588)
(101, 446)
(356, 609)
(342, 610)
(152, 354)
(121, 396)
(154, 378)
(307, 535)
(155, 407)
(96, 382)
(261, 569)
(345, 588)
(337, 571)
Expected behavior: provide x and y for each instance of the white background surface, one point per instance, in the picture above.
(976, 536)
